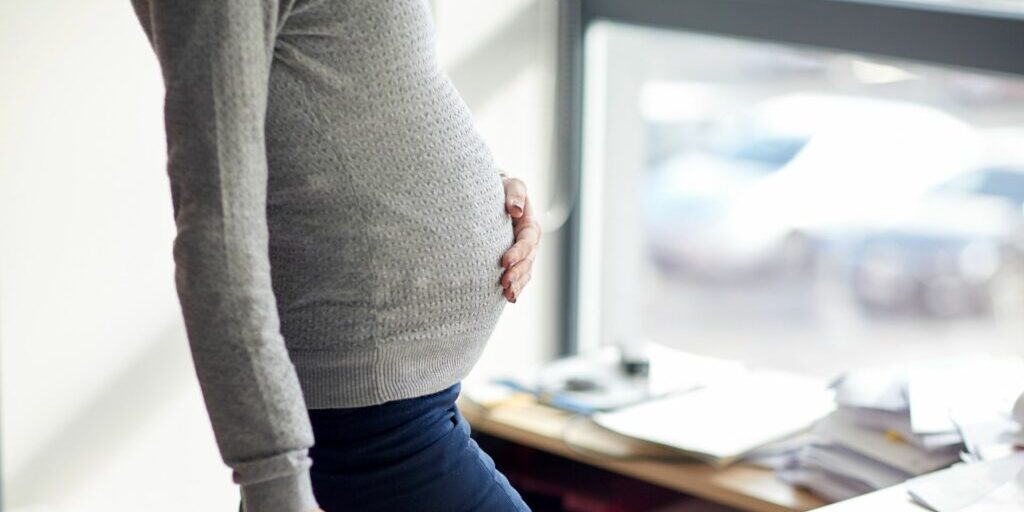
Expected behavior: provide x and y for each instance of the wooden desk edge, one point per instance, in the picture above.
(695, 479)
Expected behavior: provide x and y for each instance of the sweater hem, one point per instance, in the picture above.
(364, 376)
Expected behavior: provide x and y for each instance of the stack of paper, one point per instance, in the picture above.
(849, 458)
(868, 442)
(896, 423)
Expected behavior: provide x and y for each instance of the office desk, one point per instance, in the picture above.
(542, 428)
(744, 487)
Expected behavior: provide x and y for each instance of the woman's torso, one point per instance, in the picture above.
(384, 205)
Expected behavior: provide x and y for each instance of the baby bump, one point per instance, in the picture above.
(447, 259)
(393, 265)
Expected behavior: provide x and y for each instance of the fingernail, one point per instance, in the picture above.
(513, 301)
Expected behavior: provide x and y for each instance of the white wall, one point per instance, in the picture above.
(99, 409)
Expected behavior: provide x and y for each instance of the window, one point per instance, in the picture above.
(799, 206)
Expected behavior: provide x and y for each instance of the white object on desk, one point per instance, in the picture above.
(995, 438)
(975, 487)
(724, 421)
(880, 388)
(1007, 497)
(974, 387)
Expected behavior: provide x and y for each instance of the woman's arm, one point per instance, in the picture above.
(215, 56)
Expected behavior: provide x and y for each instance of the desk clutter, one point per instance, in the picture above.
(867, 430)
(676, 399)
(894, 424)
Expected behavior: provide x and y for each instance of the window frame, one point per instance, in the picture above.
(943, 34)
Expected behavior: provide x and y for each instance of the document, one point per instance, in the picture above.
(995, 438)
(880, 388)
(1009, 496)
(994, 485)
(722, 422)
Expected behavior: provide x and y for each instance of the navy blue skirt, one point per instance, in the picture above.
(403, 456)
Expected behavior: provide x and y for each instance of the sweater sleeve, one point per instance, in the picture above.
(215, 58)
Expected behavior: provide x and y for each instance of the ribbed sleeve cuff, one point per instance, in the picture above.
(292, 493)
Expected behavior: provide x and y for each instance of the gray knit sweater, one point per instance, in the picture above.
(340, 220)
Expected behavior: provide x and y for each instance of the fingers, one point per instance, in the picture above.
(511, 294)
(527, 231)
(519, 251)
(515, 197)
(515, 279)
(513, 274)
(527, 237)
(518, 260)
(518, 263)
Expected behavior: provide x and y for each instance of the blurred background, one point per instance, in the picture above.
(802, 208)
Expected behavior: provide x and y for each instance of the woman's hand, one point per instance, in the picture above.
(518, 260)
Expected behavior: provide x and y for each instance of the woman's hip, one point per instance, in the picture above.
(413, 454)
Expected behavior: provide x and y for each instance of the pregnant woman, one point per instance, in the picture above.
(345, 245)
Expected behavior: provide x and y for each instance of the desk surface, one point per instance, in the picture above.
(544, 428)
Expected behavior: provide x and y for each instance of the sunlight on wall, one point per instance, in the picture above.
(95, 370)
